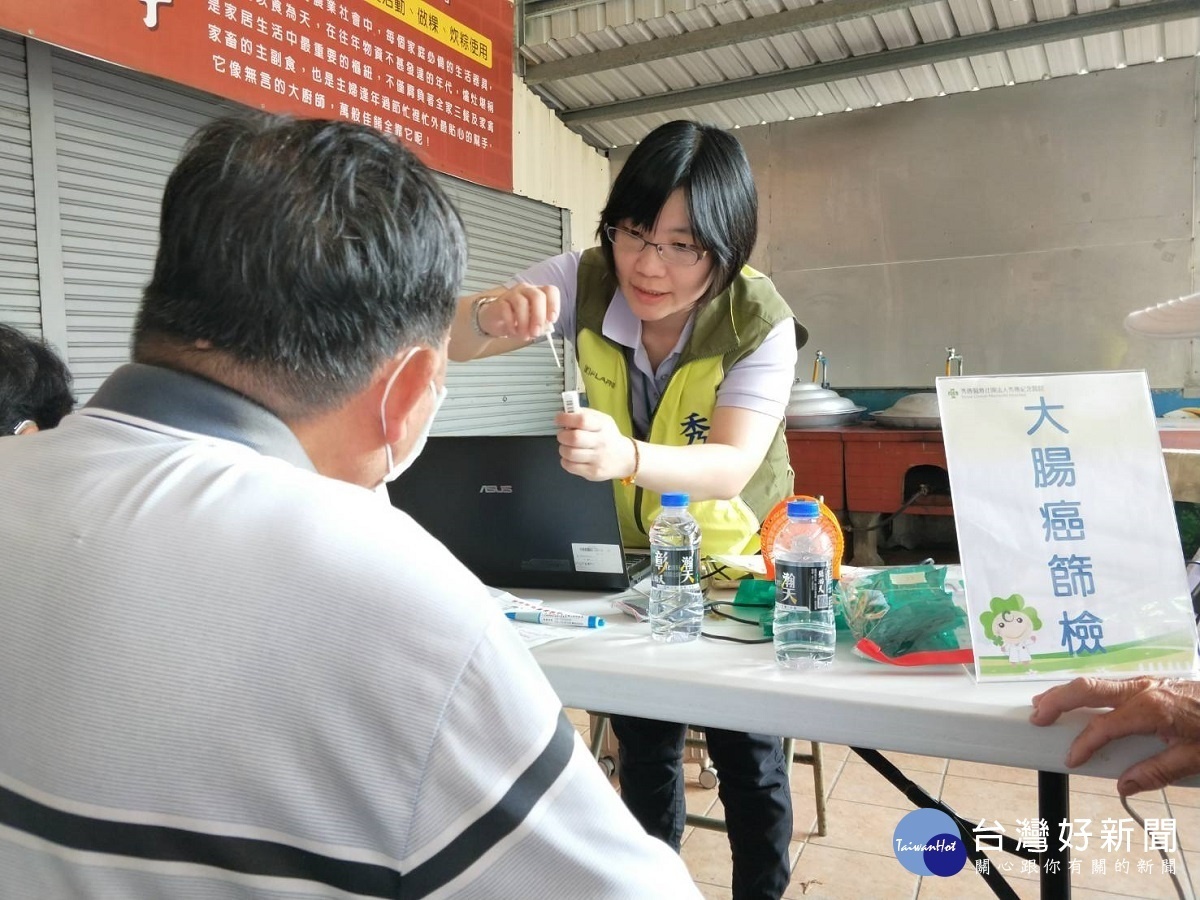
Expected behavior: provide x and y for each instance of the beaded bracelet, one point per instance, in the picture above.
(637, 464)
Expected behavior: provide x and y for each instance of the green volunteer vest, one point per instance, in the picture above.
(728, 327)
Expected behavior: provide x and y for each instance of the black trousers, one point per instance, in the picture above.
(753, 788)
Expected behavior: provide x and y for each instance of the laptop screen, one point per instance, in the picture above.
(508, 510)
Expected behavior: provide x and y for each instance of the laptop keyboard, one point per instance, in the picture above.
(637, 565)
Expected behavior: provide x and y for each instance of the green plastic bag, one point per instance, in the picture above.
(904, 615)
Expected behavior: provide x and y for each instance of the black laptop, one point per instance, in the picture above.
(508, 510)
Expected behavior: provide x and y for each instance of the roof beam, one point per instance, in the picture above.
(739, 32)
(890, 60)
(534, 8)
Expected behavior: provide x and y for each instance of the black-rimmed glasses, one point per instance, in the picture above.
(671, 254)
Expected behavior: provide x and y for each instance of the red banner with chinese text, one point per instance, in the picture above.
(435, 73)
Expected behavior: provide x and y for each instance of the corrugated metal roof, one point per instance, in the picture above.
(615, 69)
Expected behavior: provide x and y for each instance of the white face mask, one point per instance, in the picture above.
(396, 469)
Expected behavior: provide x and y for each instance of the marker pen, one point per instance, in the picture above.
(554, 617)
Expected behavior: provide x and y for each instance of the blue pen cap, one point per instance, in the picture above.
(675, 500)
(803, 509)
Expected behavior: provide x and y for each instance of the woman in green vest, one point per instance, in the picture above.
(687, 356)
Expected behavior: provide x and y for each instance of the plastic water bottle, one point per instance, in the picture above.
(803, 555)
(676, 601)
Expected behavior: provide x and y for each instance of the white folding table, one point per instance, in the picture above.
(938, 711)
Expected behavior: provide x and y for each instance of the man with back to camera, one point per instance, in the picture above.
(227, 669)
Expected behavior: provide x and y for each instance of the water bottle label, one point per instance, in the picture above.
(674, 567)
(803, 585)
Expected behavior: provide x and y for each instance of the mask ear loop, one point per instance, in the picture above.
(387, 447)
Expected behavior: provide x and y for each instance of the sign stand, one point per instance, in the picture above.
(1070, 552)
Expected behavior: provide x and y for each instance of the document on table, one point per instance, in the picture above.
(531, 634)
(635, 602)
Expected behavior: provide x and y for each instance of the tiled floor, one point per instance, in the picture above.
(854, 859)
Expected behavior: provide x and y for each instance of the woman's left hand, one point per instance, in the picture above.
(593, 447)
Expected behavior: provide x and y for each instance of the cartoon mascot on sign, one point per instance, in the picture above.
(1011, 625)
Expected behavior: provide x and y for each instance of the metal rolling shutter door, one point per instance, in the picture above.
(118, 136)
(20, 302)
(520, 392)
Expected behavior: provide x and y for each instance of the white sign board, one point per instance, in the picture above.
(1070, 551)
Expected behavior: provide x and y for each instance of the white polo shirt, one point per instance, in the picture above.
(223, 675)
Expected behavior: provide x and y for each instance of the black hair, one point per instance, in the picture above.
(711, 167)
(34, 382)
(308, 251)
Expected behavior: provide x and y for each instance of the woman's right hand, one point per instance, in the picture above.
(523, 312)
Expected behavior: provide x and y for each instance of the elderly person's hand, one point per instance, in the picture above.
(1167, 708)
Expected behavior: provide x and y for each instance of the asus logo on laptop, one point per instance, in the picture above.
(495, 489)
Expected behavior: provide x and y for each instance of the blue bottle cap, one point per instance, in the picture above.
(674, 500)
(803, 509)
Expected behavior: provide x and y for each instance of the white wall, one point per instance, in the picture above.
(1019, 225)
(554, 165)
